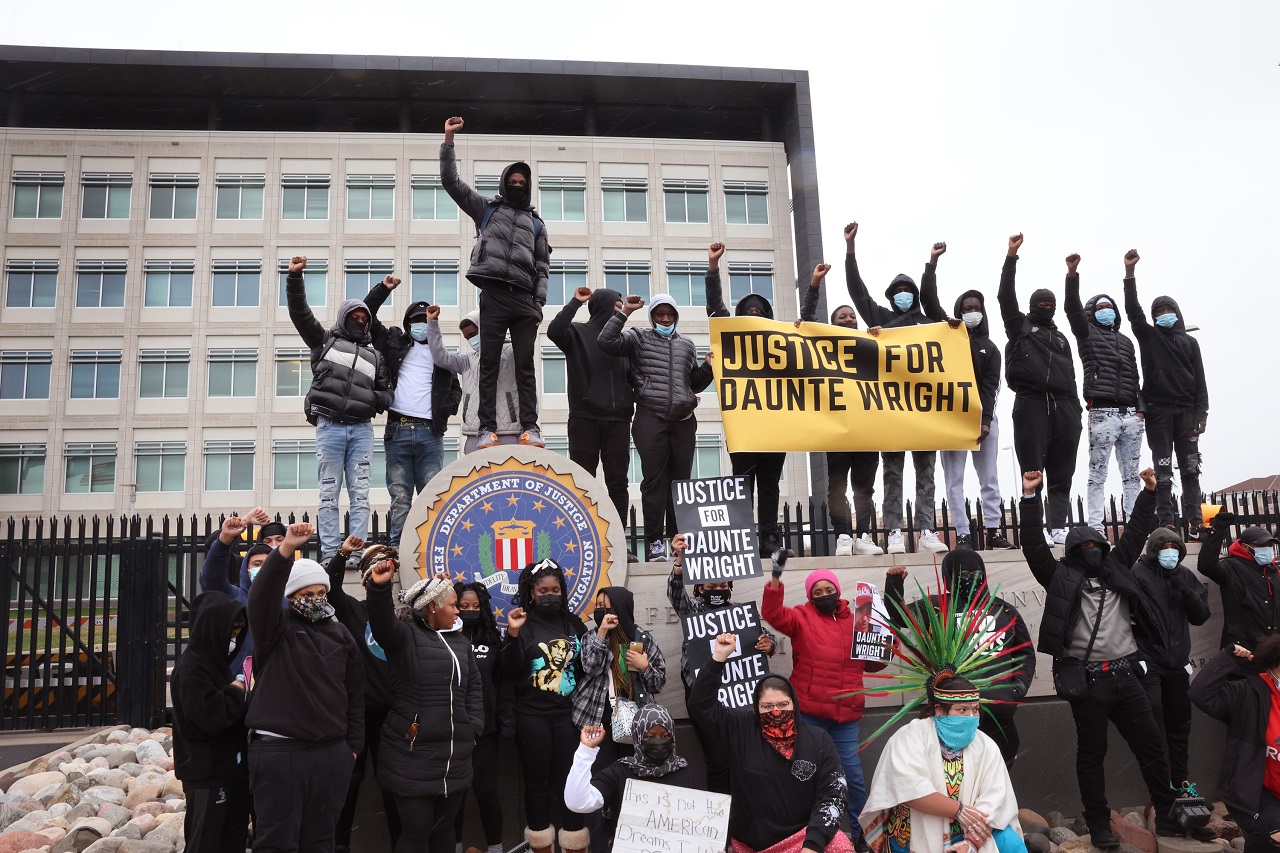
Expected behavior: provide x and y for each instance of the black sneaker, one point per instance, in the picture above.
(1103, 838)
(769, 543)
(965, 541)
(997, 542)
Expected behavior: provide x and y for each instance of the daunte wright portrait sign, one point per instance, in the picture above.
(821, 387)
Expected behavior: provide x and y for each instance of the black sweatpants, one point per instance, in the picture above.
(546, 746)
(373, 720)
(298, 790)
(765, 471)
(608, 443)
(856, 470)
(217, 819)
(1046, 436)
(1171, 707)
(484, 785)
(1170, 435)
(503, 310)
(715, 752)
(1000, 727)
(666, 454)
(427, 823)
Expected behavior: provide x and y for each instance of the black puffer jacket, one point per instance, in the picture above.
(349, 381)
(1172, 370)
(394, 344)
(986, 355)
(890, 317)
(1250, 593)
(1037, 356)
(1244, 704)
(1177, 600)
(666, 373)
(1107, 357)
(598, 384)
(513, 248)
(715, 299)
(435, 682)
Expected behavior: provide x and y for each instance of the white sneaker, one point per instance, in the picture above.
(1060, 536)
(844, 545)
(1048, 539)
(865, 547)
(896, 545)
(929, 541)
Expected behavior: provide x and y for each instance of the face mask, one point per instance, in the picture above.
(550, 604)
(475, 343)
(826, 603)
(714, 597)
(1265, 555)
(231, 649)
(1167, 321)
(418, 331)
(470, 618)
(665, 331)
(1044, 315)
(253, 572)
(1105, 316)
(1168, 558)
(973, 319)
(1091, 559)
(518, 196)
(657, 750)
(355, 329)
(599, 613)
(956, 733)
(313, 608)
(904, 301)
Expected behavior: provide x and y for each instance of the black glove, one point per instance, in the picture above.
(780, 558)
(1223, 521)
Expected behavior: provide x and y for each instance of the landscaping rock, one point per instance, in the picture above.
(1026, 816)
(106, 845)
(29, 785)
(121, 755)
(103, 794)
(15, 842)
(82, 810)
(146, 845)
(1036, 842)
(1135, 835)
(116, 815)
(149, 752)
(1226, 829)
(139, 794)
(1060, 834)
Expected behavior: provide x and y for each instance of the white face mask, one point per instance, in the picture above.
(231, 650)
(972, 319)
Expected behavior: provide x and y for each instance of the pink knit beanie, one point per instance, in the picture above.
(819, 575)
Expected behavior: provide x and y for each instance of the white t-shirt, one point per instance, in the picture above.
(413, 386)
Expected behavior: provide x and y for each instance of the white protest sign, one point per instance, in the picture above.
(657, 818)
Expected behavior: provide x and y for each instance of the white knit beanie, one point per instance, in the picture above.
(425, 592)
(305, 573)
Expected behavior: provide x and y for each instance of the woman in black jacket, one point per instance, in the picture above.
(1249, 781)
(437, 707)
(475, 609)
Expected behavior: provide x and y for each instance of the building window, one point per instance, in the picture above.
(487, 185)
(563, 279)
(557, 444)
(315, 279)
(173, 196)
(746, 202)
(235, 284)
(168, 283)
(452, 449)
(363, 275)
(434, 282)
(91, 467)
(293, 372)
(37, 195)
(562, 199)
(750, 278)
(240, 196)
(706, 457)
(305, 196)
(160, 466)
(228, 466)
(105, 195)
(554, 375)
(626, 199)
(24, 374)
(100, 284)
(630, 278)
(293, 464)
(95, 374)
(163, 373)
(233, 372)
(378, 466)
(685, 201)
(371, 196)
(430, 201)
(22, 469)
(685, 283)
(30, 284)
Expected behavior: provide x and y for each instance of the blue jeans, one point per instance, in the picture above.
(415, 454)
(845, 736)
(343, 451)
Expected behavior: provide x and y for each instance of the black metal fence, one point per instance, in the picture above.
(98, 608)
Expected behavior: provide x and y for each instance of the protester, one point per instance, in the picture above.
(1248, 578)
(706, 596)
(466, 365)
(271, 533)
(426, 394)
(216, 571)
(1091, 598)
(475, 609)
(349, 386)
(1177, 600)
(437, 706)
(1175, 393)
(1111, 393)
(1249, 780)
(306, 719)
(854, 470)
(665, 375)
(208, 728)
(600, 398)
(541, 657)
(821, 632)
(1046, 410)
(940, 783)
(509, 264)
(785, 775)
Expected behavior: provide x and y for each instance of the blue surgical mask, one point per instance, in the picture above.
(665, 331)
(475, 343)
(1168, 558)
(956, 732)
(1105, 316)
(418, 331)
(903, 301)
(1167, 321)
(1264, 555)
(253, 573)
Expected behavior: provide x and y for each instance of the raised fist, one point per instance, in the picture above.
(231, 529)
(819, 273)
(633, 304)
(433, 312)
(1015, 243)
(1031, 481)
(1148, 476)
(1131, 259)
(607, 624)
(391, 282)
(297, 264)
(1073, 261)
(582, 294)
(725, 646)
(938, 250)
(592, 736)
(351, 544)
(714, 251)
(516, 618)
(850, 231)
(296, 534)
(382, 572)
(257, 516)
(452, 125)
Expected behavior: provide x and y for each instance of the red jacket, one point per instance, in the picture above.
(822, 656)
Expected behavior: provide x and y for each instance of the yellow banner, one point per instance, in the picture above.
(824, 387)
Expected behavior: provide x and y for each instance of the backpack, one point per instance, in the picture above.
(492, 206)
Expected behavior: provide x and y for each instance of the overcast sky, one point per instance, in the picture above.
(1093, 128)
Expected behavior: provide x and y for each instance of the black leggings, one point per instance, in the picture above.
(484, 785)
(426, 823)
(546, 746)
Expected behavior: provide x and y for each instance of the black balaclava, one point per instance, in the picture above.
(964, 571)
(1039, 316)
(517, 196)
(601, 304)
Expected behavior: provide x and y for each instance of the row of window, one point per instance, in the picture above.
(161, 466)
(237, 284)
(108, 195)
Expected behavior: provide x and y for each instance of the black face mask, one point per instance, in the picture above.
(1091, 559)
(470, 619)
(356, 330)
(1042, 315)
(551, 604)
(827, 603)
(599, 613)
(714, 597)
(517, 196)
(657, 750)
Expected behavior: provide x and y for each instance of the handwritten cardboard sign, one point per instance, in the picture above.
(657, 818)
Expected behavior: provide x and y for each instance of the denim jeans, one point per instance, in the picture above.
(1123, 430)
(343, 451)
(845, 736)
(984, 462)
(893, 463)
(415, 454)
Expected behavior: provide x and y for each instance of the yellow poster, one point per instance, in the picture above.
(823, 387)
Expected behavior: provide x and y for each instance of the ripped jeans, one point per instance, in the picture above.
(1172, 437)
(343, 451)
(1120, 429)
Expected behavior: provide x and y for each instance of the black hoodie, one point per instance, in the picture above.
(1107, 358)
(1172, 370)
(598, 385)
(986, 356)
(208, 710)
(1177, 600)
(891, 317)
(1037, 356)
(354, 616)
(715, 299)
(394, 344)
